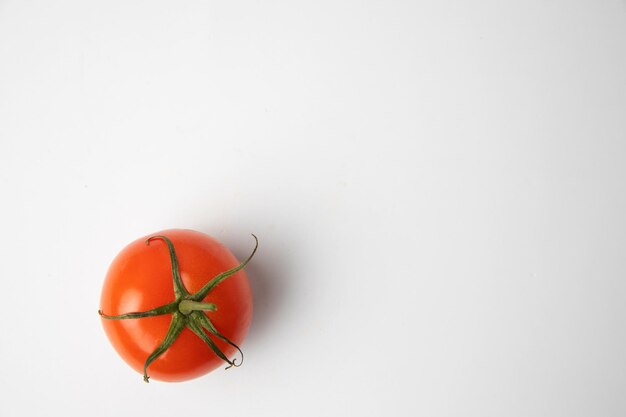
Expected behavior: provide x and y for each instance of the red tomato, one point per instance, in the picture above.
(142, 278)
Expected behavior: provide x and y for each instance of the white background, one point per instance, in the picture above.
(439, 188)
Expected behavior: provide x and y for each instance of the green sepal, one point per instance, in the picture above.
(221, 277)
(178, 323)
(196, 327)
(179, 287)
(159, 311)
(206, 323)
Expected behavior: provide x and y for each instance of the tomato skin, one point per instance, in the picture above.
(140, 279)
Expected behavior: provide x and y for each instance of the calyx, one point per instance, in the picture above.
(187, 310)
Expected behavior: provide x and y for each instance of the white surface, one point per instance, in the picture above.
(438, 187)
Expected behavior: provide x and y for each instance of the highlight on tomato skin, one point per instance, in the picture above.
(176, 305)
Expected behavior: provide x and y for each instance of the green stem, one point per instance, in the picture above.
(187, 306)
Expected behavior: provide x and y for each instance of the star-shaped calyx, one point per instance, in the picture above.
(187, 310)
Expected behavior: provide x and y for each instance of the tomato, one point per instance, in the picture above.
(176, 304)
